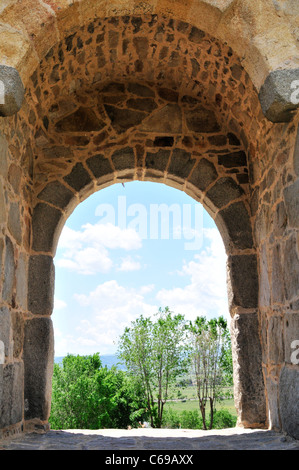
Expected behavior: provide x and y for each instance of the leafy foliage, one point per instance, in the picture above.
(154, 353)
(88, 396)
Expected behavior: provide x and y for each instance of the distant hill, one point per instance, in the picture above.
(108, 360)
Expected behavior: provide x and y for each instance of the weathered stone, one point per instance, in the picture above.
(124, 158)
(38, 360)
(14, 222)
(11, 394)
(124, 119)
(278, 291)
(296, 154)
(291, 336)
(166, 120)
(57, 194)
(163, 141)
(264, 293)
(181, 163)
(18, 333)
(140, 90)
(275, 340)
(288, 407)
(41, 275)
(82, 120)
(5, 325)
(158, 160)
(249, 387)
(11, 91)
(235, 225)
(45, 221)
(203, 174)
(9, 271)
(142, 104)
(276, 95)
(21, 281)
(225, 190)
(99, 165)
(168, 95)
(242, 281)
(291, 197)
(201, 120)
(233, 160)
(272, 394)
(78, 178)
(291, 268)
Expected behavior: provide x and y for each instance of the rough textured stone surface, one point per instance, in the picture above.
(289, 408)
(41, 284)
(151, 440)
(38, 361)
(11, 394)
(11, 91)
(242, 281)
(276, 95)
(174, 92)
(248, 378)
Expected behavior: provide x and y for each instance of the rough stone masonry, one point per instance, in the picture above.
(200, 96)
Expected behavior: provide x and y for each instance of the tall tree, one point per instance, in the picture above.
(153, 350)
(209, 344)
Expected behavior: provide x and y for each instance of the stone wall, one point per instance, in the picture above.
(151, 97)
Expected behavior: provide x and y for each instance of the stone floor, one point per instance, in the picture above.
(152, 440)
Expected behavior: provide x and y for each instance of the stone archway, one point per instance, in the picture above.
(149, 97)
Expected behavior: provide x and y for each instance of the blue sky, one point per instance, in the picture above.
(126, 251)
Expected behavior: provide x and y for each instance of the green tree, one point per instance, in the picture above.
(154, 352)
(86, 395)
(208, 345)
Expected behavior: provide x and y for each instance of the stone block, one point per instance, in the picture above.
(235, 226)
(242, 280)
(264, 291)
(99, 165)
(275, 340)
(278, 290)
(38, 367)
(181, 163)
(124, 119)
(291, 197)
(11, 91)
(203, 174)
(123, 159)
(291, 268)
(78, 178)
(273, 408)
(5, 326)
(17, 323)
(158, 160)
(201, 120)
(233, 160)
(9, 271)
(14, 222)
(224, 191)
(167, 120)
(41, 277)
(11, 394)
(291, 338)
(21, 282)
(249, 387)
(45, 221)
(57, 194)
(276, 95)
(288, 401)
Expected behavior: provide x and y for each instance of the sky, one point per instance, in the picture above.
(128, 250)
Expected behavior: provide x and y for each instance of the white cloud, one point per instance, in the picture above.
(111, 308)
(59, 304)
(128, 264)
(86, 251)
(205, 292)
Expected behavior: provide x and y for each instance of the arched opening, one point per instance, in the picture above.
(147, 98)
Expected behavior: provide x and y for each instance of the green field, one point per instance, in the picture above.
(187, 400)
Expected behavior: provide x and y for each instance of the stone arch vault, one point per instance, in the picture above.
(189, 95)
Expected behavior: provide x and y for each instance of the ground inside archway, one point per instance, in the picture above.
(152, 439)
